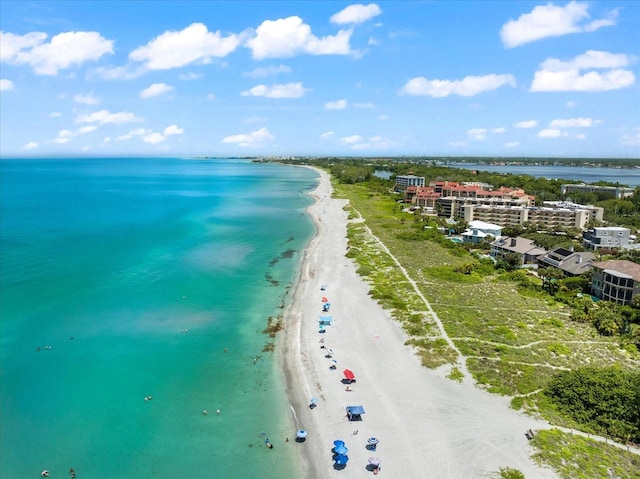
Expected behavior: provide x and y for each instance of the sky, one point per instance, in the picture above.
(320, 78)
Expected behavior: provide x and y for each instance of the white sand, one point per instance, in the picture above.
(428, 426)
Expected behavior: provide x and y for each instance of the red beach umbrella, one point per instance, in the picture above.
(348, 373)
(324, 299)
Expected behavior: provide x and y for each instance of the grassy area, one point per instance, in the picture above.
(576, 457)
(513, 339)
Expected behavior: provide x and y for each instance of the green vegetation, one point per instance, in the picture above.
(576, 457)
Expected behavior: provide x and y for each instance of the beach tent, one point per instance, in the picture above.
(325, 320)
(354, 413)
(341, 459)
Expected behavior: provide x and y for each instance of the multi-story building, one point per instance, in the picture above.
(616, 280)
(560, 218)
(404, 181)
(606, 237)
(523, 247)
(571, 263)
(614, 191)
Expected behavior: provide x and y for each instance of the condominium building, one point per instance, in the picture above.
(614, 191)
(616, 280)
(404, 181)
(606, 237)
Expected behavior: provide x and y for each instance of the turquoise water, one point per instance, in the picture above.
(127, 278)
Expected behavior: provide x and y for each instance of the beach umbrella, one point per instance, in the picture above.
(324, 299)
(338, 443)
(341, 450)
(314, 400)
(348, 373)
(341, 459)
(372, 441)
(374, 461)
(301, 434)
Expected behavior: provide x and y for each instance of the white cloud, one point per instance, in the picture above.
(155, 89)
(366, 105)
(61, 140)
(581, 136)
(65, 135)
(551, 133)
(153, 138)
(552, 21)
(173, 130)
(498, 130)
(6, 85)
(194, 44)
(88, 99)
(574, 123)
(271, 70)
(63, 51)
(132, 133)
(254, 139)
(468, 86)
(570, 104)
(211, 97)
(190, 76)
(383, 117)
(287, 37)
(632, 139)
(290, 90)
(512, 144)
(477, 133)
(350, 140)
(356, 14)
(55, 114)
(327, 134)
(103, 117)
(336, 105)
(526, 124)
(31, 145)
(557, 75)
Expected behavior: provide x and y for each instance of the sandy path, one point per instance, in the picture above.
(428, 426)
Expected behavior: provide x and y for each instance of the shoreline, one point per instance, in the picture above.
(424, 421)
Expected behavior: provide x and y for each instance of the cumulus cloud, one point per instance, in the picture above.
(173, 130)
(155, 89)
(468, 86)
(153, 138)
(336, 105)
(271, 70)
(477, 133)
(356, 14)
(88, 99)
(6, 85)
(132, 133)
(190, 76)
(65, 135)
(498, 130)
(287, 37)
(252, 140)
(327, 134)
(574, 123)
(350, 140)
(552, 21)
(551, 133)
(30, 146)
(103, 117)
(63, 51)
(289, 90)
(526, 124)
(357, 142)
(194, 44)
(558, 75)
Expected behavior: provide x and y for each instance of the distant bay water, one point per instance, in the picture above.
(624, 176)
(134, 296)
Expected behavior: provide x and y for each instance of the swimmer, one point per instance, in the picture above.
(217, 411)
(204, 412)
(44, 473)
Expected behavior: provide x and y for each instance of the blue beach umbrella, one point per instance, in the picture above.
(341, 450)
(301, 434)
(338, 443)
(372, 441)
(341, 459)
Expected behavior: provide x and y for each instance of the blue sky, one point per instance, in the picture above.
(254, 78)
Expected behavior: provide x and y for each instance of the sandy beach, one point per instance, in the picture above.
(428, 426)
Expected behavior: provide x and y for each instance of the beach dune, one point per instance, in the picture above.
(428, 426)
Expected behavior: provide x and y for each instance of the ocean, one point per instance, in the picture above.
(135, 294)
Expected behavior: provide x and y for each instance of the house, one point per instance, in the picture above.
(616, 280)
(570, 262)
(606, 237)
(523, 247)
(479, 230)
